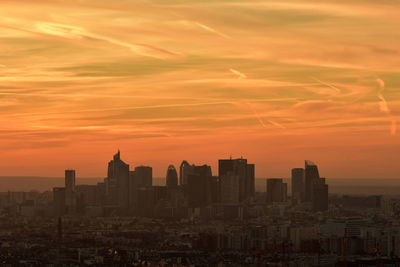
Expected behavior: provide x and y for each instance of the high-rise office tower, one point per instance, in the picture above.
(298, 184)
(311, 176)
(244, 171)
(70, 180)
(117, 182)
(229, 187)
(172, 177)
(276, 190)
(199, 186)
(316, 189)
(144, 176)
(141, 177)
(320, 195)
(184, 170)
(70, 196)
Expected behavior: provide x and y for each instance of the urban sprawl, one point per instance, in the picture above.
(198, 219)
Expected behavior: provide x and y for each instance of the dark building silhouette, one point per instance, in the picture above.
(215, 193)
(142, 176)
(276, 190)
(184, 170)
(117, 182)
(320, 195)
(160, 193)
(229, 188)
(70, 180)
(146, 200)
(70, 197)
(311, 176)
(199, 186)
(88, 194)
(298, 184)
(172, 177)
(245, 173)
(316, 190)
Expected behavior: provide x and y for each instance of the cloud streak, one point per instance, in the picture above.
(384, 107)
(327, 84)
(209, 29)
(73, 32)
(238, 74)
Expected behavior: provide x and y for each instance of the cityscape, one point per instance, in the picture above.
(199, 133)
(197, 219)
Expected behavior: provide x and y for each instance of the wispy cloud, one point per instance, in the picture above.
(276, 124)
(383, 103)
(327, 84)
(212, 30)
(260, 120)
(384, 107)
(238, 73)
(74, 32)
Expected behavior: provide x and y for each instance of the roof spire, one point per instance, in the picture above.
(118, 155)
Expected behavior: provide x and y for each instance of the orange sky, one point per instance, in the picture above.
(274, 81)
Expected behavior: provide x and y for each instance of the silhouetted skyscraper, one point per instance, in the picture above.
(184, 170)
(117, 182)
(298, 184)
(245, 172)
(144, 176)
(320, 196)
(316, 190)
(172, 177)
(311, 176)
(70, 197)
(199, 186)
(276, 190)
(70, 180)
(229, 187)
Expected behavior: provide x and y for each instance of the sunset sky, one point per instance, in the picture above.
(274, 81)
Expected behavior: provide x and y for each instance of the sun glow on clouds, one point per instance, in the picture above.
(199, 80)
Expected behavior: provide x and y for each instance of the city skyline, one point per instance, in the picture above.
(185, 133)
(129, 190)
(164, 81)
(159, 172)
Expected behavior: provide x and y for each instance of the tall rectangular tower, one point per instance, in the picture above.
(117, 182)
(311, 177)
(276, 190)
(298, 184)
(70, 196)
(244, 172)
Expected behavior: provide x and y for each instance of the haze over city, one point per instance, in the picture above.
(200, 133)
(273, 81)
